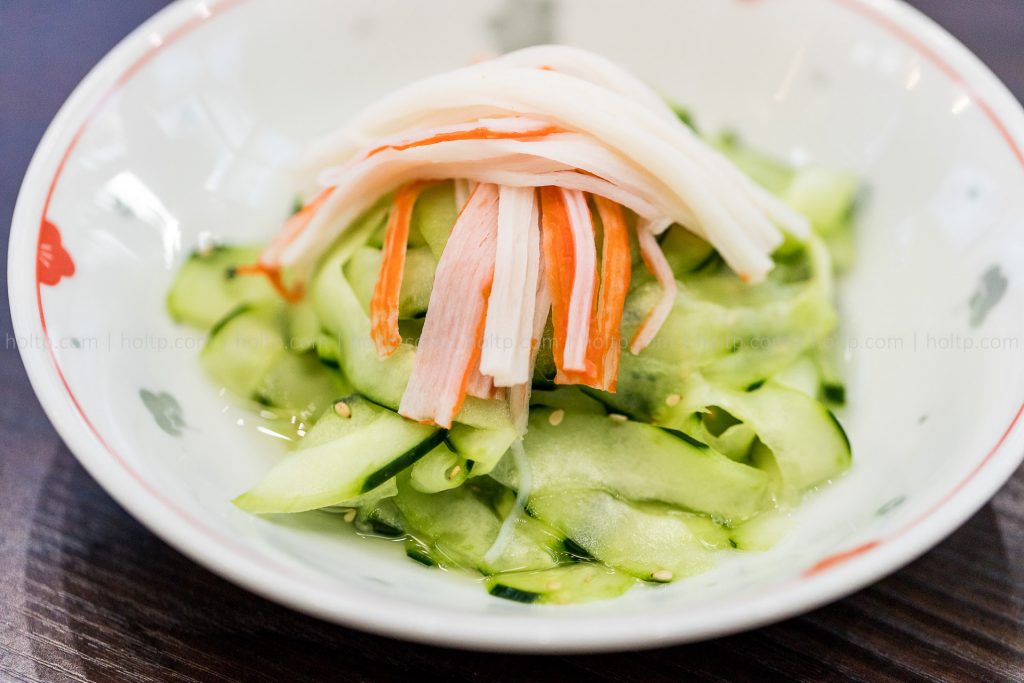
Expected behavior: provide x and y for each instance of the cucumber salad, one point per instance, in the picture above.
(534, 326)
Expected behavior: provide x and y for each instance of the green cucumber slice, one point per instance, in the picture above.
(685, 251)
(363, 269)
(825, 196)
(439, 470)
(763, 169)
(762, 532)
(243, 347)
(335, 471)
(574, 583)
(650, 545)
(483, 447)
(303, 326)
(636, 462)
(807, 443)
(569, 398)
(206, 288)
(459, 526)
(434, 215)
(300, 384)
(802, 376)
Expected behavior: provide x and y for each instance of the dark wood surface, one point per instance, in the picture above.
(86, 593)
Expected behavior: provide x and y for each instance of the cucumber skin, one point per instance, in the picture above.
(571, 583)
(636, 462)
(405, 460)
(337, 470)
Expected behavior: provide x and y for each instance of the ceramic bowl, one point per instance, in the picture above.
(186, 131)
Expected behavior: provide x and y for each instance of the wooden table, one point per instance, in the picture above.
(86, 593)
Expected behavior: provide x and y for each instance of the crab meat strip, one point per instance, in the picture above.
(581, 298)
(656, 262)
(519, 395)
(358, 188)
(481, 385)
(386, 293)
(616, 265)
(506, 352)
(575, 104)
(449, 347)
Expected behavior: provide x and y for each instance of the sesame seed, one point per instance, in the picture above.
(556, 417)
(342, 409)
(350, 516)
(555, 586)
(662, 575)
(673, 399)
(454, 472)
(617, 417)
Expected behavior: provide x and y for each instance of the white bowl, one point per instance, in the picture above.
(186, 129)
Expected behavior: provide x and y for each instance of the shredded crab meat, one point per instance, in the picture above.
(581, 294)
(480, 385)
(529, 140)
(655, 261)
(563, 160)
(507, 334)
(449, 347)
(719, 199)
(463, 187)
(386, 293)
(616, 265)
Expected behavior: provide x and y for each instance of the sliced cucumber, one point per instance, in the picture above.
(802, 376)
(434, 215)
(733, 333)
(206, 288)
(765, 170)
(330, 425)
(826, 197)
(648, 545)
(833, 389)
(382, 518)
(243, 347)
(735, 442)
(569, 398)
(636, 462)
(328, 350)
(685, 251)
(761, 532)
(459, 527)
(303, 326)
(574, 583)
(338, 470)
(806, 442)
(300, 384)
(363, 269)
(483, 447)
(439, 470)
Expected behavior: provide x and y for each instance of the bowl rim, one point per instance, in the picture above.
(832, 578)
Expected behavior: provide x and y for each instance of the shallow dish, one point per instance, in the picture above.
(186, 130)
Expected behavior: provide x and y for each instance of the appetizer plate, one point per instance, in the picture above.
(186, 130)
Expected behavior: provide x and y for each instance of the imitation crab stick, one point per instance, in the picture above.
(615, 275)
(449, 347)
(659, 266)
(510, 307)
(685, 164)
(384, 304)
(569, 257)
